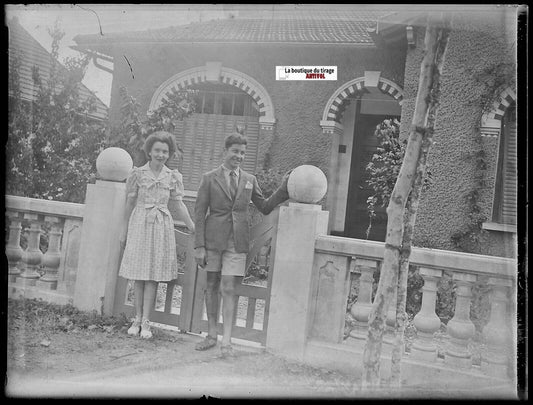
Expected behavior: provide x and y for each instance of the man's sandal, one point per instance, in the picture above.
(207, 343)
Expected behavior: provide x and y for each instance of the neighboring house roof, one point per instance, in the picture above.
(325, 28)
(33, 54)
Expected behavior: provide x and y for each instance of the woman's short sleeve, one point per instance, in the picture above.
(132, 185)
(176, 185)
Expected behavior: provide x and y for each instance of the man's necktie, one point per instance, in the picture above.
(233, 184)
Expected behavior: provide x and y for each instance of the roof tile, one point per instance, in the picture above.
(350, 29)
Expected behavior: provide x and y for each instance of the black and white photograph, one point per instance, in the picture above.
(266, 201)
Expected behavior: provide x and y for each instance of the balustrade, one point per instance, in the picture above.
(14, 252)
(52, 257)
(457, 342)
(32, 255)
(496, 333)
(361, 308)
(30, 269)
(426, 321)
(460, 328)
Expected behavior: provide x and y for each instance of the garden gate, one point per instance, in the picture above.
(181, 302)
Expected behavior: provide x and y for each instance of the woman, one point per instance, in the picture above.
(153, 192)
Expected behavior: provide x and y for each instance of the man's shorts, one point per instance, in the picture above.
(228, 262)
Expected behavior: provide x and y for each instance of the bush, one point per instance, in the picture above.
(53, 141)
(269, 180)
(59, 317)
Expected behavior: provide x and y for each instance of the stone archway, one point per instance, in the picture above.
(334, 107)
(215, 72)
(341, 127)
(491, 122)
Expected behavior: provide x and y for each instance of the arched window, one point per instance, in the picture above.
(219, 109)
(504, 208)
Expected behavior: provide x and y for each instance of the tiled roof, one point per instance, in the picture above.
(347, 28)
(33, 54)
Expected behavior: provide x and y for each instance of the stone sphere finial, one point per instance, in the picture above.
(114, 164)
(307, 184)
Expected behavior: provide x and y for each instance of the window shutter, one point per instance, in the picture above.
(509, 176)
(201, 137)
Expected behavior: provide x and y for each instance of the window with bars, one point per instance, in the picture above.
(224, 100)
(219, 109)
(504, 208)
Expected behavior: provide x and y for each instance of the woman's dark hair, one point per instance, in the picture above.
(235, 139)
(160, 136)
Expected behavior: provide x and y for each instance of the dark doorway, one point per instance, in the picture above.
(365, 145)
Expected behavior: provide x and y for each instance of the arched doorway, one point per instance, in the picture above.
(351, 116)
(225, 98)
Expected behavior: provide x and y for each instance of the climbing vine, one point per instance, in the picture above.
(472, 234)
(492, 80)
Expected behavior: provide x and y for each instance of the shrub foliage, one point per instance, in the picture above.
(52, 141)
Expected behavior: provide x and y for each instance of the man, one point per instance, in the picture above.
(222, 233)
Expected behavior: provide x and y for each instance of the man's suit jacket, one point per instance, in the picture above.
(216, 213)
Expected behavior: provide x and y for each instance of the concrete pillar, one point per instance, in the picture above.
(98, 263)
(292, 280)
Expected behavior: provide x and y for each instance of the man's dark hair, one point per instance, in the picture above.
(235, 139)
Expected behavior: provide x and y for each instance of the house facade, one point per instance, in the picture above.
(32, 54)
(329, 124)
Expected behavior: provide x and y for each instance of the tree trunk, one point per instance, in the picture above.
(435, 46)
(410, 215)
(411, 209)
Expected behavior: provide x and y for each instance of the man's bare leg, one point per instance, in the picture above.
(228, 306)
(211, 302)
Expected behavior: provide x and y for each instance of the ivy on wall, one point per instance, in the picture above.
(473, 234)
(492, 80)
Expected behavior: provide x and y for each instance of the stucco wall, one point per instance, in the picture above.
(299, 105)
(475, 44)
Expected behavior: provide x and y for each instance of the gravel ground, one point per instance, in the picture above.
(60, 352)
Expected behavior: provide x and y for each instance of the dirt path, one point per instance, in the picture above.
(60, 352)
(96, 361)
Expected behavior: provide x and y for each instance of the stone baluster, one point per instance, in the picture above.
(32, 256)
(52, 257)
(460, 328)
(426, 321)
(14, 252)
(496, 333)
(361, 308)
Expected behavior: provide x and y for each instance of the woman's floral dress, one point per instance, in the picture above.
(150, 252)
